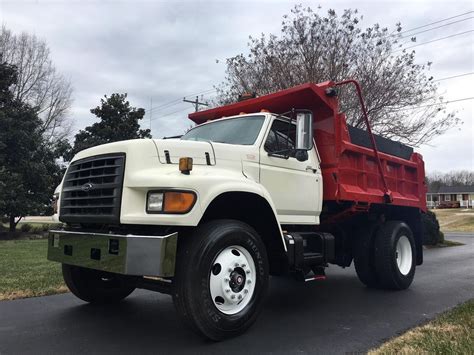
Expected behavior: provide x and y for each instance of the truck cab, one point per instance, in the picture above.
(207, 217)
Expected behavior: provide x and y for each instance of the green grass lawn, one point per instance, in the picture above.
(456, 219)
(25, 272)
(450, 333)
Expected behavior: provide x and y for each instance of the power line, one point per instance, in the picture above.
(435, 28)
(441, 103)
(165, 105)
(171, 113)
(435, 40)
(433, 23)
(454, 76)
(176, 101)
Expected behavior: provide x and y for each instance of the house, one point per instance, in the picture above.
(451, 196)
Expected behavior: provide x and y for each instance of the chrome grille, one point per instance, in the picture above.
(92, 190)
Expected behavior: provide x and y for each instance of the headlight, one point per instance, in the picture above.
(178, 202)
(154, 202)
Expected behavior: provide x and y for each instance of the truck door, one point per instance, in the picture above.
(295, 186)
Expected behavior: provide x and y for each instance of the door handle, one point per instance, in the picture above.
(310, 168)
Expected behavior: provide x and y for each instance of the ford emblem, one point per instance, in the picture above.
(87, 187)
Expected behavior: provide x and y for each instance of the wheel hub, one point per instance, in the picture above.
(404, 255)
(237, 279)
(231, 279)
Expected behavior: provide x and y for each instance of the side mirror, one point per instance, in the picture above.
(301, 155)
(304, 130)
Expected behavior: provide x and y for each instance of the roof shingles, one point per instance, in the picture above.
(467, 189)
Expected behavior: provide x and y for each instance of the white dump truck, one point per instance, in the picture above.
(273, 185)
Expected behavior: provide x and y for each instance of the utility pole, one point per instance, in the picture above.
(196, 103)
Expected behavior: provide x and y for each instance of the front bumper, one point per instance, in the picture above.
(123, 254)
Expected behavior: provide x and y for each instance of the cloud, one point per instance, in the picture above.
(168, 49)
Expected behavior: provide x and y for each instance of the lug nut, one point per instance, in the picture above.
(236, 264)
(230, 270)
(249, 281)
(246, 291)
(247, 271)
(227, 290)
(233, 297)
(243, 265)
(226, 280)
(240, 297)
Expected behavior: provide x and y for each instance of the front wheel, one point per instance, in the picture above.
(95, 286)
(221, 278)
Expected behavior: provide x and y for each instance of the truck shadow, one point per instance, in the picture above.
(147, 322)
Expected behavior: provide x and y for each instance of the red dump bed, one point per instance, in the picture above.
(350, 171)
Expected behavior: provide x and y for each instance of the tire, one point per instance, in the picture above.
(220, 260)
(395, 255)
(95, 286)
(364, 256)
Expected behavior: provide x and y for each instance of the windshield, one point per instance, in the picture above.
(243, 131)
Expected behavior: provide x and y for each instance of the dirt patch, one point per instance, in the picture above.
(29, 293)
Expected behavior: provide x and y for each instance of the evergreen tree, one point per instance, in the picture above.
(27, 162)
(118, 121)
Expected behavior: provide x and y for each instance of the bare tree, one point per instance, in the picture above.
(451, 178)
(402, 99)
(39, 84)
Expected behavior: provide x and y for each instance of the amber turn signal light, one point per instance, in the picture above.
(179, 201)
(185, 165)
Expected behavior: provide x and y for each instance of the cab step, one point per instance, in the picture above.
(312, 258)
(319, 274)
(307, 249)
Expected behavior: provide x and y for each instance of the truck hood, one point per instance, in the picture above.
(241, 158)
(144, 153)
(170, 150)
(135, 149)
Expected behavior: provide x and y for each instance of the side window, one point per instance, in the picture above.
(281, 138)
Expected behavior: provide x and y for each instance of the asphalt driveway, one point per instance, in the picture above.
(338, 315)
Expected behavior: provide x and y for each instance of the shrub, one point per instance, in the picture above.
(441, 237)
(55, 226)
(431, 233)
(37, 229)
(25, 227)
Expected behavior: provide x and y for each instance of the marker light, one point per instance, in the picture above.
(185, 165)
(179, 201)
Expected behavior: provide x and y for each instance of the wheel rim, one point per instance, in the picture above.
(404, 255)
(232, 279)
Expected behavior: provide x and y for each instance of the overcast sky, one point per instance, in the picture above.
(164, 50)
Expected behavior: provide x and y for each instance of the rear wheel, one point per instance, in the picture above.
(395, 255)
(364, 256)
(221, 278)
(94, 286)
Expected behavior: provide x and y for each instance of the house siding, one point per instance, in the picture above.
(451, 194)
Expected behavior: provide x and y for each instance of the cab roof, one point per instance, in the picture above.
(308, 96)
